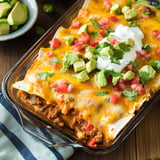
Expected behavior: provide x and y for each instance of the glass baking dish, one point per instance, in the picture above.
(36, 124)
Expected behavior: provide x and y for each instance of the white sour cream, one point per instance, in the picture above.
(122, 33)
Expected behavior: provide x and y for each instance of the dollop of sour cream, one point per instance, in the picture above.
(122, 33)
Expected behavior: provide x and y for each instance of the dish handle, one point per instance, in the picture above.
(48, 135)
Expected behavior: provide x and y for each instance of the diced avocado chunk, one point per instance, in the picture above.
(4, 27)
(148, 69)
(125, 9)
(122, 46)
(4, 9)
(83, 29)
(82, 76)
(91, 65)
(90, 53)
(18, 15)
(100, 79)
(128, 75)
(79, 65)
(116, 8)
(129, 42)
(130, 14)
(106, 51)
(13, 2)
(115, 80)
(69, 39)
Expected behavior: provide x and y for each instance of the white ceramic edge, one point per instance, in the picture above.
(33, 14)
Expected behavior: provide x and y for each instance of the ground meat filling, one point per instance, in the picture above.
(82, 129)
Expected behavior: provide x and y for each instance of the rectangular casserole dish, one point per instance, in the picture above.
(33, 123)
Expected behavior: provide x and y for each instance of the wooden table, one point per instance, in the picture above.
(142, 144)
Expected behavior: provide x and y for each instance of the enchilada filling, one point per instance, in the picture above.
(95, 74)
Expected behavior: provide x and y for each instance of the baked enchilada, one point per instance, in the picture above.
(95, 75)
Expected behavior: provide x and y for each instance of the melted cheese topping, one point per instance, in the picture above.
(110, 118)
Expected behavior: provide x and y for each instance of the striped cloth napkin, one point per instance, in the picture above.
(16, 144)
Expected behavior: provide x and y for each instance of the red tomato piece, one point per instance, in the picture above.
(54, 85)
(135, 81)
(102, 33)
(103, 23)
(116, 88)
(85, 39)
(54, 43)
(75, 25)
(143, 52)
(62, 88)
(112, 19)
(113, 41)
(158, 37)
(140, 89)
(158, 51)
(114, 98)
(145, 16)
(77, 47)
(155, 33)
(93, 44)
(55, 65)
(50, 54)
(91, 142)
(107, 5)
(129, 67)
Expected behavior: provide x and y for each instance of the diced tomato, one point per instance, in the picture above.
(50, 54)
(93, 44)
(114, 98)
(89, 127)
(113, 41)
(54, 43)
(140, 89)
(112, 19)
(158, 51)
(103, 23)
(147, 56)
(55, 65)
(158, 37)
(109, 79)
(77, 47)
(85, 39)
(122, 84)
(145, 16)
(155, 33)
(63, 82)
(135, 81)
(143, 52)
(102, 33)
(91, 142)
(62, 88)
(116, 88)
(107, 5)
(129, 67)
(75, 25)
(70, 88)
(54, 85)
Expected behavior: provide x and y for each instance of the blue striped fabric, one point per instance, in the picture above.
(16, 144)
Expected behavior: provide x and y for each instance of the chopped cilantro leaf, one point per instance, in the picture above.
(94, 23)
(55, 60)
(132, 95)
(107, 99)
(74, 75)
(53, 49)
(146, 47)
(112, 73)
(102, 93)
(108, 32)
(146, 13)
(84, 46)
(156, 65)
(117, 55)
(157, 6)
(144, 76)
(43, 76)
(134, 24)
(135, 64)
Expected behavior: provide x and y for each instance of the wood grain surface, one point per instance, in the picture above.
(142, 144)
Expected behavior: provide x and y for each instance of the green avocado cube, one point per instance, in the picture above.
(4, 9)
(125, 9)
(91, 65)
(69, 40)
(100, 79)
(115, 80)
(106, 51)
(83, 29)
(130, 14)
(129, 42)
(90, 55)
(4, 27)
(116, 8)
(72, 57)
(148, 69)
(79, 66)
(82, 76)
(128, 75)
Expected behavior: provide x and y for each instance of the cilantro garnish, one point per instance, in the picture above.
(108, 32)
(117, 55)
(132, 95)
(53, 49)
(144, 76)
(107, 99)
(112, 73)
(102, 93)
(146, 47)
(135, 64)
(55, 60)
(94, 23)
(84, 46)
(157, 6)
(135, 24)
(43, 76)
(156, 65)
(146, 13)
(74, 75)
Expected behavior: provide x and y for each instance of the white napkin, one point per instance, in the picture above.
(16, 144)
